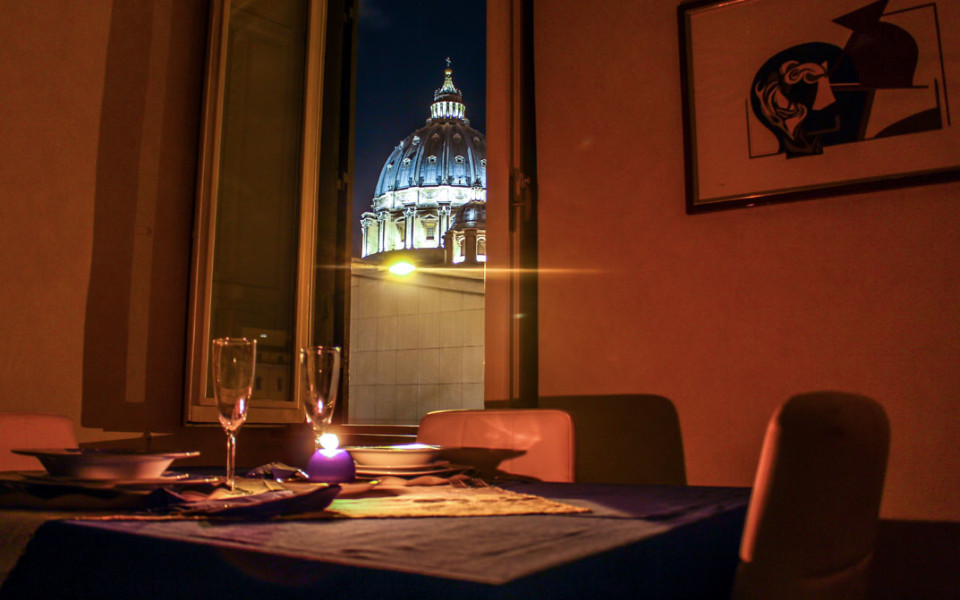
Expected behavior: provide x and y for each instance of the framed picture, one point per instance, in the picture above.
(791, 99)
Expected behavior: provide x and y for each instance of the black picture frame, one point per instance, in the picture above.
(792, 99)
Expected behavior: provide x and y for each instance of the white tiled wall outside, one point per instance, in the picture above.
(416, 345)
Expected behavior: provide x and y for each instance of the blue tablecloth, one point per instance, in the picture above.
(637, 542)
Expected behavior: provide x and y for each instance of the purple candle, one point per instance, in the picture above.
(330, 464)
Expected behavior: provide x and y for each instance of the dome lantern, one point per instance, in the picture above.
(448, 101)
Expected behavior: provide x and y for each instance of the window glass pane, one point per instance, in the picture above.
(256, 238)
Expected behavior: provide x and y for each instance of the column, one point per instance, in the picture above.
(409, 213)
(382, 221)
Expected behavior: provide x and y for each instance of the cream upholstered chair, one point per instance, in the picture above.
(32, 430)
(813, 515)
(527, 443)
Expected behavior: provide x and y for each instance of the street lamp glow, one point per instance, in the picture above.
(402, 268)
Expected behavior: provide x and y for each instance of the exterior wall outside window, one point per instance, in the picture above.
(416, 344)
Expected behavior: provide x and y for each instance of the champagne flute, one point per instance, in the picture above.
(320, 366)
(234, 362)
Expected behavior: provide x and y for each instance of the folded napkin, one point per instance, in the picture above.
(260, 495)
(262, 506)
(167, 504)
(278, 471)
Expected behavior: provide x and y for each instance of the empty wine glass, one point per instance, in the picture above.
(320, 366)
(234, 362)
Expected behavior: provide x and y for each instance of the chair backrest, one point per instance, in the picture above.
(532, 443)
(31, 430)
(625, 438)
(812, 519)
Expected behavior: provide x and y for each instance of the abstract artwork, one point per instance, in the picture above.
(791, 99)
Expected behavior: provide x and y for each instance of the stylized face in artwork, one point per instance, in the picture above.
(792, 95)
(787, 97)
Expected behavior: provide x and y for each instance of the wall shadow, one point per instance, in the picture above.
(627, 438)
(136, 312)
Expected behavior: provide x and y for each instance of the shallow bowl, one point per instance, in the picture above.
(82, 463)
(405, 455)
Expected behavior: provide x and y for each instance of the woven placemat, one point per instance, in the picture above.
(446, 501)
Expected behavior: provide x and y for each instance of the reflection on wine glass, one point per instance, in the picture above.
(234, 361)
(320, 366)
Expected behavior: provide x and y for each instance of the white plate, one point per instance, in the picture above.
(432, 469)
(419, 467)
(166, 479)
(112, 465)
(394, 457)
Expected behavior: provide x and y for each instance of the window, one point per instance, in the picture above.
(262, 207)
(309, 197)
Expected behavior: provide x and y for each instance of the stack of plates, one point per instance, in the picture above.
(404, 460)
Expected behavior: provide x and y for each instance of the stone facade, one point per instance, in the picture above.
(416, 343)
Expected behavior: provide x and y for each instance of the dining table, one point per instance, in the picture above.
(505, 539)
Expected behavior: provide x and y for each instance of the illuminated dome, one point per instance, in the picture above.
(473, 214)
(432, 173)
(466, 240)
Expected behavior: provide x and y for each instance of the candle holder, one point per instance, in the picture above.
(330, 464)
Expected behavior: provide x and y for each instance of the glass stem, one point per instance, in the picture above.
(231, 455)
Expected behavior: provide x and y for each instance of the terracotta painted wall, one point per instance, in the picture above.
(728, 314)
(52, 63)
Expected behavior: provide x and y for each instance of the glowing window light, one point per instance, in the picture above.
(402, 268)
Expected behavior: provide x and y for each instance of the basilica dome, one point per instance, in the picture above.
(446, 151)
(433, 172)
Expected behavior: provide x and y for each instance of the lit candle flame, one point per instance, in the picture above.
(329, 442)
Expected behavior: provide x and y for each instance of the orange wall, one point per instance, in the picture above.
(729, 313)
(52, 62)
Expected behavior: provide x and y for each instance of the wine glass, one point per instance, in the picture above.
(234, 362)
(320, 366)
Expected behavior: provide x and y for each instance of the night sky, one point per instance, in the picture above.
(401, 53)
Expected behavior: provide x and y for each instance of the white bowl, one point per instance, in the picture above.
(405, 455)
(77, 463)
